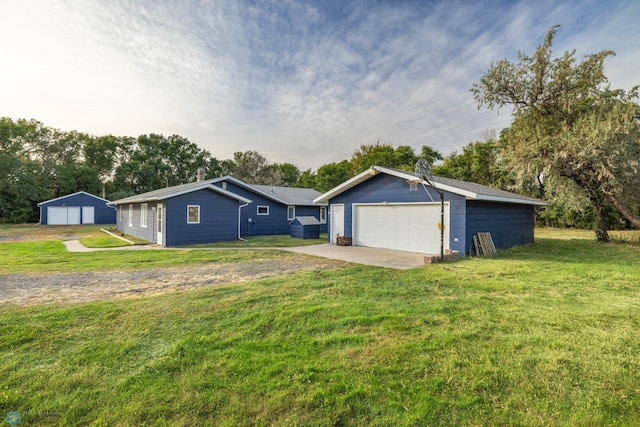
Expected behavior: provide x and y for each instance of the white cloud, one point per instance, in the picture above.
(300, 82)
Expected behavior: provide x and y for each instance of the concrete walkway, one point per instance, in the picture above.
(388, 258)
(76, 246)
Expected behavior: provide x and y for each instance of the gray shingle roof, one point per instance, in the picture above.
(168, 192)
(290, 195)
(469, 190)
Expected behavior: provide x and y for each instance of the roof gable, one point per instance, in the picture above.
(471, 191)
(74, 194)
(285, 195)
(178, 190)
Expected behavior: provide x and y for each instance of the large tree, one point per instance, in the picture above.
(570, 130)
(479, 162)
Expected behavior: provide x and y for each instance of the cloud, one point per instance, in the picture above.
(301, 82)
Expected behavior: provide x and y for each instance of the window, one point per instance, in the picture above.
(263, 210)
(120, 209)
(130, 215)
(143, 215)
(224, 185)
(323, 215)
(193, 214)
(291, 213)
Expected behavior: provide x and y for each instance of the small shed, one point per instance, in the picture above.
(305, 227)
(76, 208)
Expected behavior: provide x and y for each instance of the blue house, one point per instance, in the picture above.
(215, 210)
(76, 208)
(273, 208)
(198, 212)
(387, 208)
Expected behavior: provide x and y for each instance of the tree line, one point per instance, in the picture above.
(573, 142)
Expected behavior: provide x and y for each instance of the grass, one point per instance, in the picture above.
(278, 241)
(50, 256)
(544, 334)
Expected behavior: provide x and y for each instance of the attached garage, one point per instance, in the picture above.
(413, 227)
(384, 208)
(77, 208)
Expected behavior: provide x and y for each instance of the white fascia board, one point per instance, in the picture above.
(229, 194)
(255, 190)
(73, 194)
(361, 177)
(510, 200)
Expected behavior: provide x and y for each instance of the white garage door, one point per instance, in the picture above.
(88, 214)
(63, 215)
(405, 227)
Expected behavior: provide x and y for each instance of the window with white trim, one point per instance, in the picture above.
(263, 210)
(323, 214)
(120, 210)
(144, 210)
(131, 215)
(291, 213)
(193, 214)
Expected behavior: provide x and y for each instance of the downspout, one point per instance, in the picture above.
(240, 207)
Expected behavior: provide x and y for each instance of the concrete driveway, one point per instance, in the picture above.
(363, 255)
(356, 254)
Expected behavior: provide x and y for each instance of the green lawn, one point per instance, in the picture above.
(277, 241)
(544, 334)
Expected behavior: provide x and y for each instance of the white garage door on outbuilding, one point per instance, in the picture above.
(410, 227)
(63, 215)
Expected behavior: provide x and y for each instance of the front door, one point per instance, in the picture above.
(337, 222)
(159, 223)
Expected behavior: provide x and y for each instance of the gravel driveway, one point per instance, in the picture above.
(83, 287)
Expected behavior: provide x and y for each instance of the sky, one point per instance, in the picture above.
(303, 82)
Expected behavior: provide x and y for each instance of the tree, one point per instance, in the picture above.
(307, 179)
(332, 175)
(431, 155)
(289, 172)
(378, 154)
(570, 130)
(479, 162)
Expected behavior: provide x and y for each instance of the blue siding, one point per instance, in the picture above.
(299, 231)
(218, 218)
(509, 224)
(387, 188)
(274, 223)
(103, 214)
(311, 211)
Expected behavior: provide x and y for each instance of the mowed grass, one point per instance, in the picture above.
(277, 241)
(51, 256)
(544, 334)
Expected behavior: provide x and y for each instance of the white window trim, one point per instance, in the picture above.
(289, 209)
(120, 210)
(258, 210)
(144, 212)
(188, 209)
(130, 215)
(323, 218)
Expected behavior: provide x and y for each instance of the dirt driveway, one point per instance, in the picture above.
(82, 287)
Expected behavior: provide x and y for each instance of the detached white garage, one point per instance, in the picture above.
(413, 227)
(77, 208)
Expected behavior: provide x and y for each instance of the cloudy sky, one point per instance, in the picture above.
(304, 82)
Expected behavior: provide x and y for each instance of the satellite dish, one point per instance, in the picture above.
(423, 169)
